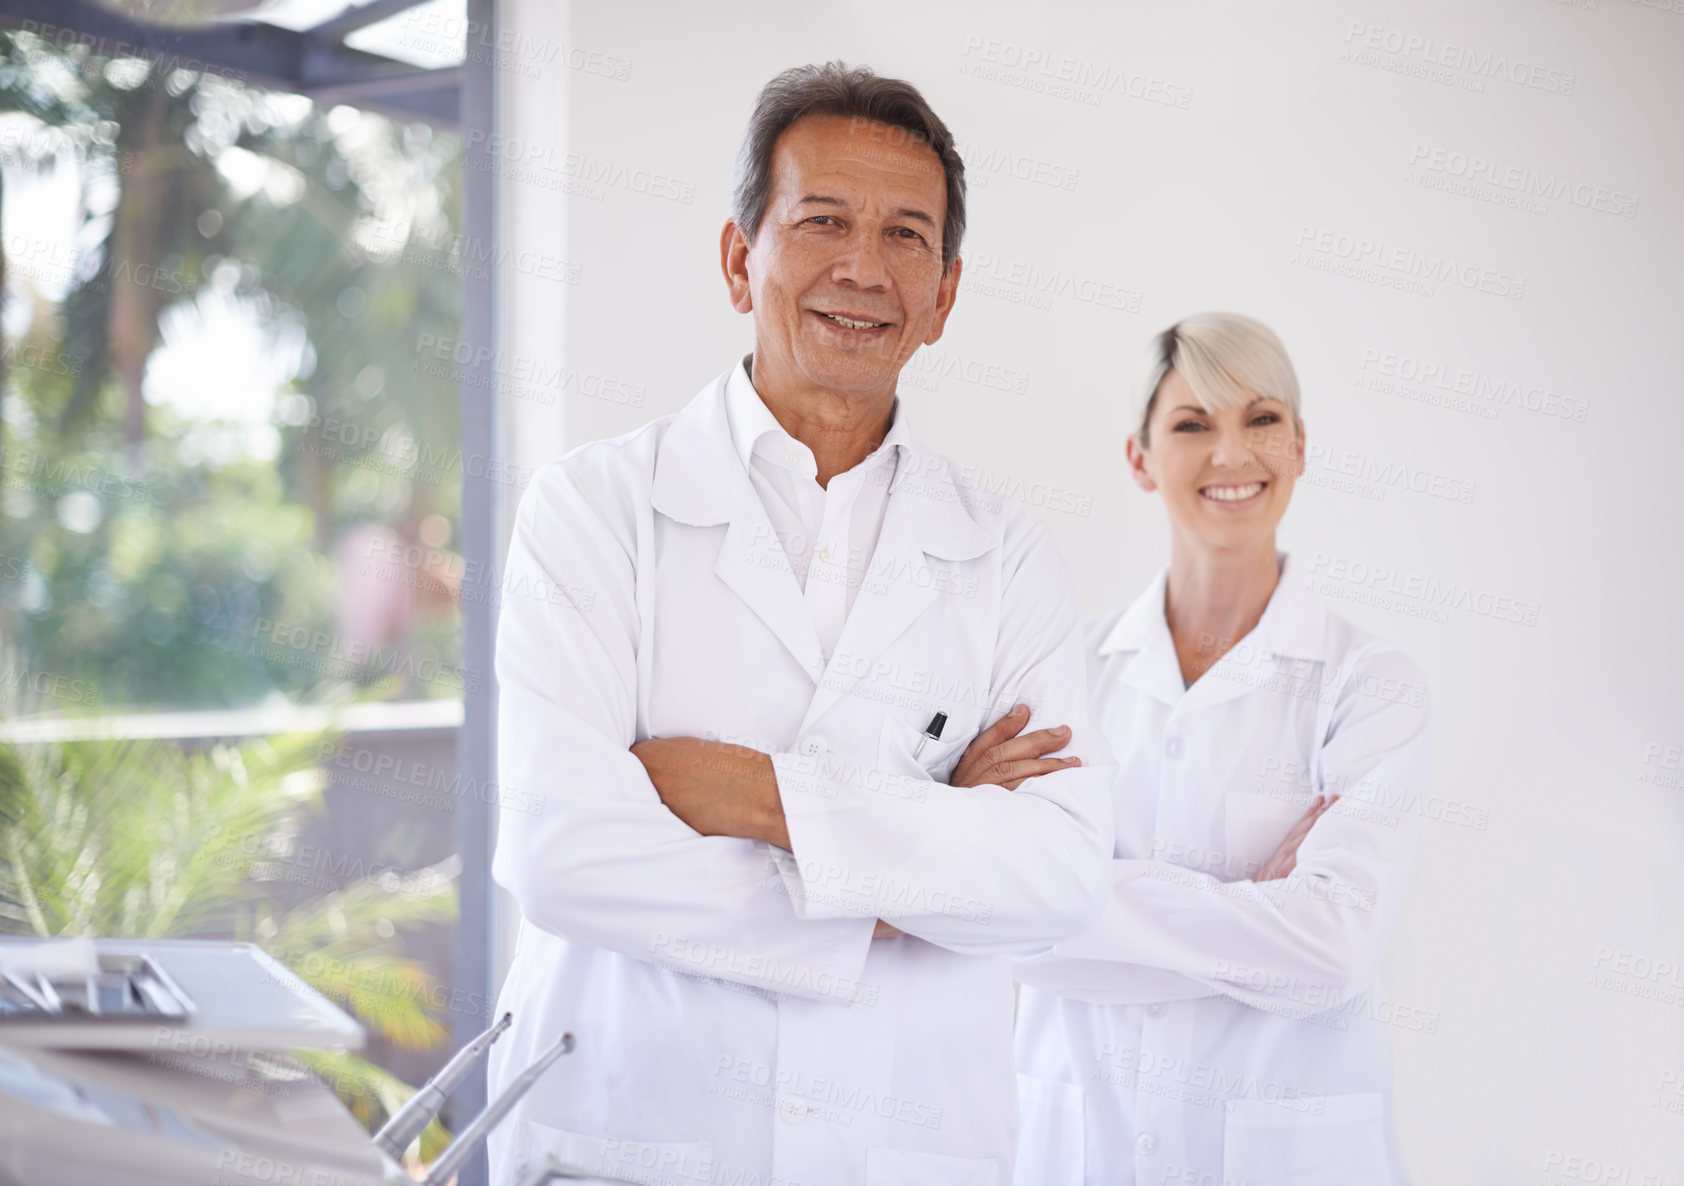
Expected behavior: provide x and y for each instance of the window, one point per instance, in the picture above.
(230, 492)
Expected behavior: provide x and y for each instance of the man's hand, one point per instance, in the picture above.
(999, 756)
(1285, 859)
(723, 790)
(717, 788)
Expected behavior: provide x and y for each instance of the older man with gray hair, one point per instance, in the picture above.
(743, 651)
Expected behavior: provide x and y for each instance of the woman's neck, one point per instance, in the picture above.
(1214, 598)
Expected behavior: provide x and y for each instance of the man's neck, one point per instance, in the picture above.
(842, 428)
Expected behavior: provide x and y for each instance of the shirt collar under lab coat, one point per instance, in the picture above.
(701, 475)
(752, 423)
(1293, 626)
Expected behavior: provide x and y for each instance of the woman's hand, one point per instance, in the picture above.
(998, 756)
(1285, 859)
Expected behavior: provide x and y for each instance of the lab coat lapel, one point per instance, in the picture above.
(925, 526)
(700, 481)
(889, 600)
(1156, 671)
(753, 563)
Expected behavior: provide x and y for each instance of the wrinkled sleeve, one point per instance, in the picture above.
(1298, 945)
(587, 848)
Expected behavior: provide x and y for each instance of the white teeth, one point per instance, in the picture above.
(851, 323)
(1232, 493)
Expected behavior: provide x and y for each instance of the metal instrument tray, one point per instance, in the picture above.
(225, 996)
(129, 987)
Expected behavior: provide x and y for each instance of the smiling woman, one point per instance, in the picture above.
(1248, 915)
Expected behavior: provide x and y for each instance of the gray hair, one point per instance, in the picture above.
(1228, 359)
(834, 89)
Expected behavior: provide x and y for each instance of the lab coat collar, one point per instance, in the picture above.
(701, 480)
(694, 477)
(750, 418)
(1295, 622)
(696, 482)
(1293, 626)
(1155, 670)
(751, 421)
(1141, 620)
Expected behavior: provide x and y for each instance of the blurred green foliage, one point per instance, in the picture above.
(146, 541)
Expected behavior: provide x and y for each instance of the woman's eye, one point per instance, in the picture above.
(822, 219)
(1189, 426)
(1265, 418)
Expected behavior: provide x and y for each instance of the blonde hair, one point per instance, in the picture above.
(1228, 359)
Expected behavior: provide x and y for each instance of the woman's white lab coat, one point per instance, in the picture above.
(735, 1020)
(1212, 1030)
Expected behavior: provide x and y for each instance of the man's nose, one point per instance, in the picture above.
(862, 260)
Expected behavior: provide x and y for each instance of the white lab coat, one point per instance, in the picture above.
(1212, 1030)
(735, 1020)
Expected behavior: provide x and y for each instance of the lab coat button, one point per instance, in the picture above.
(792, 1110)
(1155, 1009)
(1172, 747)
(1146, 1142)
(812, 745)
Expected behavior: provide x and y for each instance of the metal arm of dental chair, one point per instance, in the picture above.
(396, 1134)
(474, 1135)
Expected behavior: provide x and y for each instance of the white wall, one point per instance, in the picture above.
(533, 101)
(1294, 132)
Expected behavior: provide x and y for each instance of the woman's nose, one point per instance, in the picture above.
(1233, 448)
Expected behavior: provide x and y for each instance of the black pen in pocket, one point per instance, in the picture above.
(932, 732)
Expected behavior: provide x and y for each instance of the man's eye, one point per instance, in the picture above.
(822, 219)
(907, 232)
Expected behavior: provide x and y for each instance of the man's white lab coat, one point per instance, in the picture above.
(735, 1020)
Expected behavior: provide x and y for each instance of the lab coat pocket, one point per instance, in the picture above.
(655, 1163)
(936, 761)
(908, 1167)
(1341, 1143)
(1051, 1143)
(1254, 827)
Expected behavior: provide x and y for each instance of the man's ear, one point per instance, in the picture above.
(946, 293)
(1137, 465)
(733, 261)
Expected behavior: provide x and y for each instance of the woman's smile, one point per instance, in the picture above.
(1234, 496)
